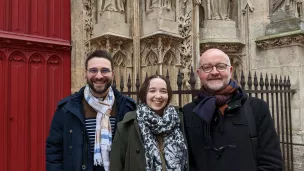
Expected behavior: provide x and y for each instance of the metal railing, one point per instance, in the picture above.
(275, 90)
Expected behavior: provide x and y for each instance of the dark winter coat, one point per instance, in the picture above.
(128, 153)
(229, 147)
(68, 146)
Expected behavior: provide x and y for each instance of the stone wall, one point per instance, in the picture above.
(77, 55)
(145, 37)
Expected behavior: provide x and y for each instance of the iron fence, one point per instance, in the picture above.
(275, 90)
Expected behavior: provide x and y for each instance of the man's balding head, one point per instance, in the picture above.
(214, 70)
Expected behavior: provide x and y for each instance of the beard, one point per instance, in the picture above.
(216, 85)
(99, 90)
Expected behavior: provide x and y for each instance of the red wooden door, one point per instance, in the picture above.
(34, 74)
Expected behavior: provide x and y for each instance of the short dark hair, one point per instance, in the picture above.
(99, 54)
(145, 86)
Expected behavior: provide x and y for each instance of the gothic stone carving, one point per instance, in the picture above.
(248, 6)
(159, 49)
(281, 41)
(220, 9)
(88, 24)
(167, 4)
(120, 48)
(226, 47)
(111, 5)
(184, 23)
(283, 5)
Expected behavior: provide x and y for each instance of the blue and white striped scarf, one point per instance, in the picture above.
(103, 134)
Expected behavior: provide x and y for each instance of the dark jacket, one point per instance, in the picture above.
(229, 146)
(67, 146)
(128, 153)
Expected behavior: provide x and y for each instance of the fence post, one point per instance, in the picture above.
(179, 87)
(137, 85)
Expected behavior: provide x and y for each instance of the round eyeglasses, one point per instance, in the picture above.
(219, 67)
(103, 71)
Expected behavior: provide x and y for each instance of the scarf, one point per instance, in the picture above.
(209, 103)
(151, 125)
(206, 108)
(103, 134)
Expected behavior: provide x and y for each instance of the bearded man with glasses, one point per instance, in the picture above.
(84, 123)
(225, 128)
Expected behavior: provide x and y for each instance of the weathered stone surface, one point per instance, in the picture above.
(286, 25)
(156, 37)
(111, 23)
(218, 31)
(77, 53)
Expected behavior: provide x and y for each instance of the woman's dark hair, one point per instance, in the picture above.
(145, 86)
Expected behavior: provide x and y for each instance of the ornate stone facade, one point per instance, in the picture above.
(148, 37)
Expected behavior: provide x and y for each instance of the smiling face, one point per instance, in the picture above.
(214, 80)
(99, 83)
(157, 95)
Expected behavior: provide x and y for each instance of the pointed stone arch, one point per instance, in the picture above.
(151, 58)
(119, 59)
(169, 58)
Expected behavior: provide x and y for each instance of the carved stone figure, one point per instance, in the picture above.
(220, 9)
(294, 6)
(277, 5)
(159, 3)
(167, 4)
(112, 5)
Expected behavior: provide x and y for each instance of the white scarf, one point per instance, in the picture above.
(103, 134)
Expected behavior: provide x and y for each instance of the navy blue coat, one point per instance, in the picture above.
(67, 144)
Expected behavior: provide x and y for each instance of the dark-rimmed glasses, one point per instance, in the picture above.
(103, 71)
(221, 67)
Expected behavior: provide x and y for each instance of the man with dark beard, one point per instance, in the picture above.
(84, 123)
(225, 128)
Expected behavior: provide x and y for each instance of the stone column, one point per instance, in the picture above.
(281, 51)
(136, 41)
(77, 53)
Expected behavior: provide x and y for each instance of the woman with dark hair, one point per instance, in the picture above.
(151, 138)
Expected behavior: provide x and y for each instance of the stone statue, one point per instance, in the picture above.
(112, 5)
(278, 4)
(220, 9)
(159, 3)
(167, 4)
(284, 5)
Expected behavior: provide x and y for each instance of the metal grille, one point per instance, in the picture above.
(275, 90)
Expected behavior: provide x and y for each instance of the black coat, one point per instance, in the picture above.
(67, 144)
(225, 144)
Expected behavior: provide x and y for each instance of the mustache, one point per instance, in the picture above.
(215, 78)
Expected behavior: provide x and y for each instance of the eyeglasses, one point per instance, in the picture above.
(219, 67)
(103, 71)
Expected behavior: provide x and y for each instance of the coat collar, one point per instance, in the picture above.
(131, 116)
(73, 103)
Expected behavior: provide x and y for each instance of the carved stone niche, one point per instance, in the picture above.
(233, 50)
(121, 51)
(159, 54)
(159, 17)
(227, 47)
(237, 63)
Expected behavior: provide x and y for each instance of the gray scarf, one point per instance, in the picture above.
(175, 150)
